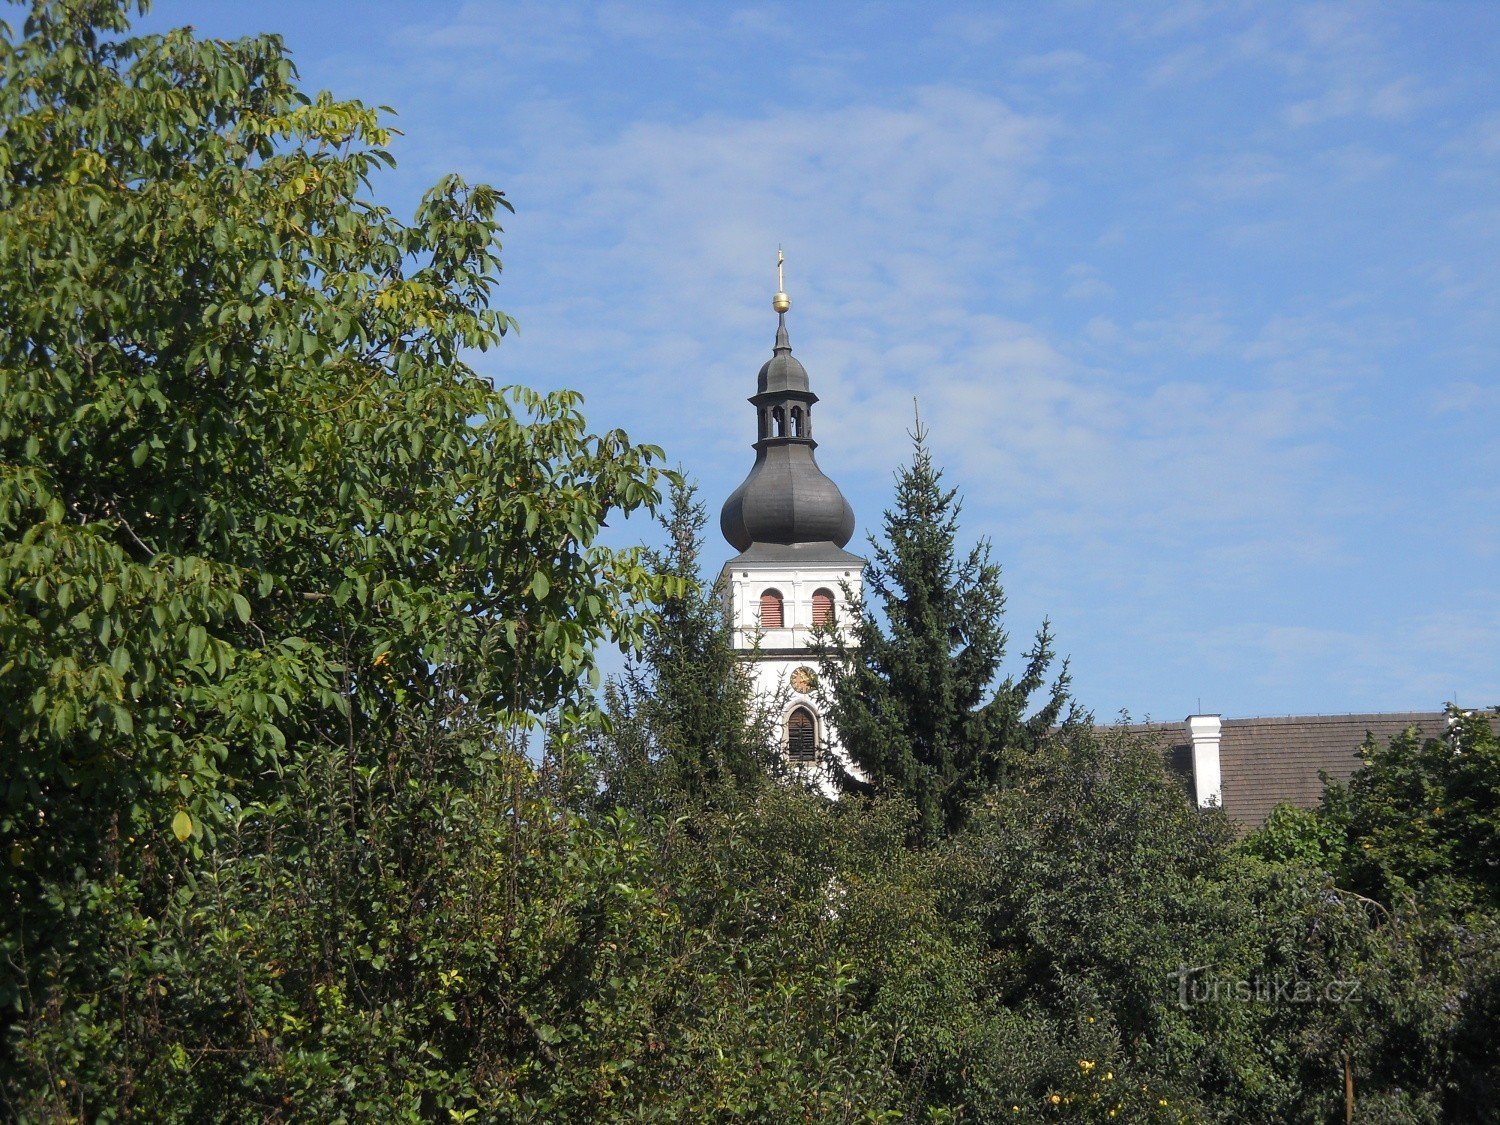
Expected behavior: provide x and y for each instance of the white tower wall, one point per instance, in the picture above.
(775, 654)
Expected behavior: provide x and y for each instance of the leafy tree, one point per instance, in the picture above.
(1125, 928)
(915, 700)
(254, 504)
(1424, 815)
(1411, 837)
(1421, 816)
(251, 496)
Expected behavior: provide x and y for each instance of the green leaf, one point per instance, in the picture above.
(182, 825)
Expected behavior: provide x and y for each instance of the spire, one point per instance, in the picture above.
(786, 499)
(782, 304)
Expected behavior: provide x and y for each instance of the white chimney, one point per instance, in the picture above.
(1204, 731)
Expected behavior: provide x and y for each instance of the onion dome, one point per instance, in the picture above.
(786, 499)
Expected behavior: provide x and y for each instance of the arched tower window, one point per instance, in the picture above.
(822, 608)
(797, 421)
(801, 736)
(771, 615)
(765, 425)
(778, 416)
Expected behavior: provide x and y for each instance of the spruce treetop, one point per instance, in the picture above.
(913, 692)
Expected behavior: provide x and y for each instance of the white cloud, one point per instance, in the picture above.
(1350, 97)
(1246, 175)
(1417, 660)
(1085, 284)
(537, 31)
(903, 225)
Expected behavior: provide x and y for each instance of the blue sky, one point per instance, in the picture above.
(1201, 302)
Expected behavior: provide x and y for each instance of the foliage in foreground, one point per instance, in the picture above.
(279, 571)
(255, 510)
(438, 939)
(1422, 818)
(251, 498)
(1414, 833)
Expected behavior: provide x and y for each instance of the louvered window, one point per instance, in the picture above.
(801, 736)
(822, 609)
(770, 610)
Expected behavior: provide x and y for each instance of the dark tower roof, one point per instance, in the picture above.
(783, 371)
(787, 511)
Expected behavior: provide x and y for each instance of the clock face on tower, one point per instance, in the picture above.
(804, 680)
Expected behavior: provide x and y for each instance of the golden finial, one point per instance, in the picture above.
(781, 302)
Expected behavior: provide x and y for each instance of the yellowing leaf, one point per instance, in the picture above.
(182, 825)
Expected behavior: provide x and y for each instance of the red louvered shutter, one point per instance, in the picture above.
(822, 609)
(770, 610)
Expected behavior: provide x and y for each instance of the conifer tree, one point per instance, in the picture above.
(911, 684)
(685, 718)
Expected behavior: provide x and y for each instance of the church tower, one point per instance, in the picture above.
(790, 524)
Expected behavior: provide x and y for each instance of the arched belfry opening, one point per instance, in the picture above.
(801, 736)
(822, 609)
(772, 610)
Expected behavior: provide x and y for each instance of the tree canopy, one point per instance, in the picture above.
(252, 497)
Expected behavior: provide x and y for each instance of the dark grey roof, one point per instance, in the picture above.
(795, 555)
(783, 371)
(786, 499)
(1264, 762)
(1267, 761)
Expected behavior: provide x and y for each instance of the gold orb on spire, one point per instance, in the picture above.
(780, 302)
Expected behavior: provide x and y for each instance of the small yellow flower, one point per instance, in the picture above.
(1161, 1101)
(1109, 1076)
(1085, 1065)
(1055, 1099)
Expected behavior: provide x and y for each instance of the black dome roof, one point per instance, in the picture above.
(782, 372)
(786, 499)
